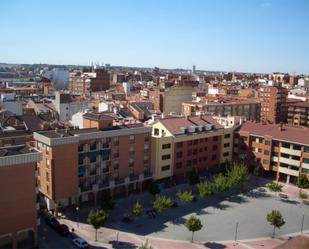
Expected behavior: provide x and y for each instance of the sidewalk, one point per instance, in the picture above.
(108, 237)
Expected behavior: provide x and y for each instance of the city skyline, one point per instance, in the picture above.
(257, 36)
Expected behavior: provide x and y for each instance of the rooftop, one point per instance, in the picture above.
(174, 124)
(296, 134)
(15, 150)
(301, 104)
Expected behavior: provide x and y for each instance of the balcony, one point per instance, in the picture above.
(86, 188)
(134, 178)
(290, 151)
(147, 175)
(289, 161)
(119, 181)
(288, 171)
(104, 184)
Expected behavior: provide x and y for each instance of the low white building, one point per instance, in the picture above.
(9, 103)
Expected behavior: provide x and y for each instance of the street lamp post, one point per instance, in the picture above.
(302, 223)
(236, 230)
(77, 223)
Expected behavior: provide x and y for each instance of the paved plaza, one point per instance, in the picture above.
(219, 214)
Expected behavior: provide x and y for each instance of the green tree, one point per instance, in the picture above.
(145, 246)
(137, 209)
(193, 224)
(302, 181)
(185, 197)
(275, 219)
(302, 195)
(274, 187)
(162, 203)
(97, 219)
(237, 175)
(193, 177)
(204, 188)
(221, 183)
(154, 188)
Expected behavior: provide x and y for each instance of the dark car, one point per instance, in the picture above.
(62, 229)
(51, 221)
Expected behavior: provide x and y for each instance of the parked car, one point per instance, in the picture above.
(62, 229)
(51, 221)
(80, 243)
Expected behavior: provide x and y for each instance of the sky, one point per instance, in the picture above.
(228, 35)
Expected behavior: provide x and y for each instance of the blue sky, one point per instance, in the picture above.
(232, 35)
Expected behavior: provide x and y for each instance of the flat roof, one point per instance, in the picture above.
(15, 150)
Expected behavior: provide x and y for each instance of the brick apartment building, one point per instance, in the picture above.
(180, 144)
(279, 149)
(273, 104)
(84, 83)
(298, 114)
(18, 202)
(80, 165)
(250, 109)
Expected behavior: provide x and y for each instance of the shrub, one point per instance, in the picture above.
(302, 181)
(274, 187)
(237, 174)
(204, 188)
(185, 197)
(221, 183)
(137, 209)
(162, 203)
(302, 195)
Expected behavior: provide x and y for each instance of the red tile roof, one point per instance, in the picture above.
(173, 124)
(293, 134)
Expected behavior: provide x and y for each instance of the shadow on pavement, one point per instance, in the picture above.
(214, 245)
(122, 245)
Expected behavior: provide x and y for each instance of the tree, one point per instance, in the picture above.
(137, 209)
(204, 188)
(237, 174)
(302, 181)
(275, 219)
(97, 219)
(145, 246)
(274, 187)
(154, 188)
(257, 172)
(193, 177)
(193, 224)
(221, 183)
(186, 196)
(162, 203)
(302, 195)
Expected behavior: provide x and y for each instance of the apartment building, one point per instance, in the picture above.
(169, 100)
(80, 165)
(18, 202)
(250, 109)
(86, 82)
(180, 144)
(298, 114)
(273, 104)
(279, 149)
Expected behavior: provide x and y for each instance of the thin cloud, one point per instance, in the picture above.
(266, 5)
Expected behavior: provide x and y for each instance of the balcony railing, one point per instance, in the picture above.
(134, 178)
(119, 181)
(147, 174)
(104, 184)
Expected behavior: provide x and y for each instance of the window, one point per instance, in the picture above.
(166, 146)
(165, 168)
(259, 150)
(146, 137)
(296, 147)
(47, 163)
(285, 155)
(166, 157)
(305, 171)
(189, 163)
(213, 157)
(306, 160)
(195, 161)
(195, 141)
(276, 154)
(156, 132)
(275, 144)
(265, 162)
(296, 158)
(195, 152)
(286, 145)
(189, 143)
(226, 154)
(47, 176)
(205, 148)
(267, 143)
(132, 140)
(115, 141)
(214, 147)
(306, 149)
(215, 138)
(179, 144)
(178, 165)
(226, 145)
(179, 154)
(189, 153)
(205, 159)
(227, 136)
(266, 152)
